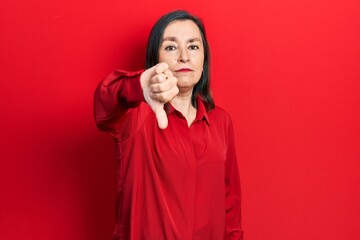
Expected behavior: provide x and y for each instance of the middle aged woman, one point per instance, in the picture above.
(176, 161)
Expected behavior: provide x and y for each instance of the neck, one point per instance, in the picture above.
(182, 103)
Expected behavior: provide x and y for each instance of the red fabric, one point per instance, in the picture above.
(179, 183)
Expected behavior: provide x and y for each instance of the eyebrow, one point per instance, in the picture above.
(174, 39)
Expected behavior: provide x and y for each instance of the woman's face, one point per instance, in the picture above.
(183, 50)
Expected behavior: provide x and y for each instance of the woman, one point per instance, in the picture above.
(176, 162)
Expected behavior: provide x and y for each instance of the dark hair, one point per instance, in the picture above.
(152, 54)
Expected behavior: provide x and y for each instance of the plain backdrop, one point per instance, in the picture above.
(286, 70)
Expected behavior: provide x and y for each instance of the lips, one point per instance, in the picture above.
(184, 70)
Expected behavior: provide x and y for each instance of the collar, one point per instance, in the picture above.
(201, 112)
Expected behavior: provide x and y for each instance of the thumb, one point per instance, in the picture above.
(161, 116)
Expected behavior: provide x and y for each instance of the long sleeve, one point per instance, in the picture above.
(114, 97)
(233, 192)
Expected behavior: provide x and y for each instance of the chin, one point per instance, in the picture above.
(186, 82)
(187, 79)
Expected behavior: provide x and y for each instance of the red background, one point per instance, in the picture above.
(286, 70)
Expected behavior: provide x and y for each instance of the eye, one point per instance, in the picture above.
(193, 47)
(170, 48)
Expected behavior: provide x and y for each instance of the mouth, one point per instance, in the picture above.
(184, 70)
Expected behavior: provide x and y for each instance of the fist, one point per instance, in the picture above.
(159, 87)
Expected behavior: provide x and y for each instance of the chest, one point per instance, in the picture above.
(179, 144)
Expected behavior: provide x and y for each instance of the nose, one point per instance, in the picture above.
(184, 56)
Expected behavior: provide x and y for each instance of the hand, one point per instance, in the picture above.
(159, 87)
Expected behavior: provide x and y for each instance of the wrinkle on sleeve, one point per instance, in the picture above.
(114, 98)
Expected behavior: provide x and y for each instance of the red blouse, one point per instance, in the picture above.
(179, 183)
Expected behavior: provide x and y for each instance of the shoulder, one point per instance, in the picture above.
(219, 111)
(219, 116)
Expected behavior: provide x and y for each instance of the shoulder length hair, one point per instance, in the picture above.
(202, 88)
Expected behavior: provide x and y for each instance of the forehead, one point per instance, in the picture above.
(182, 29)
